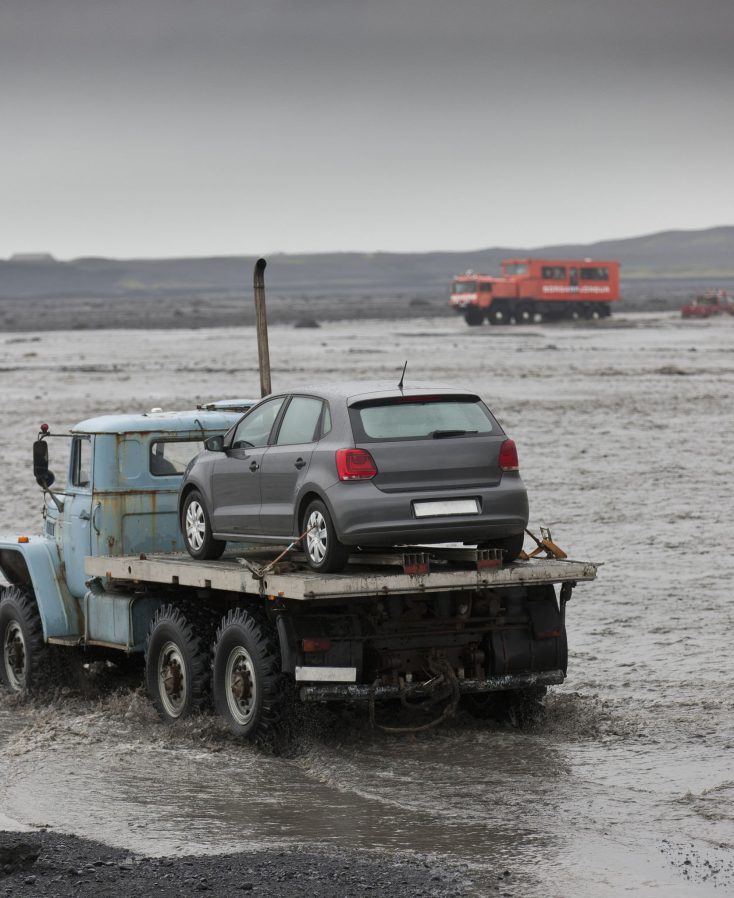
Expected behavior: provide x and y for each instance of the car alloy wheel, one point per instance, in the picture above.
(317, 537)
(195, 526)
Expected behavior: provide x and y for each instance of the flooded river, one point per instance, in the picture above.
(625, 432)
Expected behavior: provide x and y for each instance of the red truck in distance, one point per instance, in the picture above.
(710, 305)
(531, 290)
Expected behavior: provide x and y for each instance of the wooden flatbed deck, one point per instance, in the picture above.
(298, 582)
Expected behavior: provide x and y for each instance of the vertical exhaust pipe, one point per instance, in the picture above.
(261, 322)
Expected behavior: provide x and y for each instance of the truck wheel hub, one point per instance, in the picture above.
(15, 655)
(242, 693)
(172, 679)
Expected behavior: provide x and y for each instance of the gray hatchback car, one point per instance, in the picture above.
(357, 464)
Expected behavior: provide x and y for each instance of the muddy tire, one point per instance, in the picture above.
(511, 546)
(473, 316)
(249, 690)
(197, 530)
(25, 662)
(177, 653)
(324, 552)
(525, 313)
(499, 313)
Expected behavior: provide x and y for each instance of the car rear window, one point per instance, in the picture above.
(411, 418)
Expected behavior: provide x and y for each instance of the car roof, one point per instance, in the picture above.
(355, 391)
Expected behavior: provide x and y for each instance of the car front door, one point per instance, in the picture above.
(235, 484)
(285, 464)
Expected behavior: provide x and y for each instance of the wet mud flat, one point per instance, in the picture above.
(625, 787)
(67, 865)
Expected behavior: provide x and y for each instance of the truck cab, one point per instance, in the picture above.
(119, 497)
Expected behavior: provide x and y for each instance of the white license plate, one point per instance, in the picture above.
(447, 506)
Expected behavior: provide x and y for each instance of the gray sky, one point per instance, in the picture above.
(197, 127)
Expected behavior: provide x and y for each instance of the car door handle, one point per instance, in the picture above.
(254, 466)
(300, 463)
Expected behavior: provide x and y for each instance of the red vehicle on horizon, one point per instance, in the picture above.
(531, 290)
(709, 305)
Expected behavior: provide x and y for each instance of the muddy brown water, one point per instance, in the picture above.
(625, 432)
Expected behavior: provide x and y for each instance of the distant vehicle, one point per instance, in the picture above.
(708, 305)
(357, 465)
(531, 290)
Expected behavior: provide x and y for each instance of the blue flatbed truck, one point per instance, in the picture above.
(254, 633)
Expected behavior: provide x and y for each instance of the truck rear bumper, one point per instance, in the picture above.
(351, 692)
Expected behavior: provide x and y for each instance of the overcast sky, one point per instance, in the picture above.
(197, 127)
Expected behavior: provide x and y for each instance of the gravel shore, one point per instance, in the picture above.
(57, 866)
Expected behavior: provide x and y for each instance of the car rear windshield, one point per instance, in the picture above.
(414, 418)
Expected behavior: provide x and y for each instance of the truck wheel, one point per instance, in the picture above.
(473, 316)
(197, 530)
(499, 313)
(525, 313)
(324, 552)
(21, 635)
(248, 688)
(176, 664)
(511, 546)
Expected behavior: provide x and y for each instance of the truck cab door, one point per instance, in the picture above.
(78, 513)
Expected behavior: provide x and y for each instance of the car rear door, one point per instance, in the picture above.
(286, 463)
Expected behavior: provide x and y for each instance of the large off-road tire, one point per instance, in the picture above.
(250, 692)
(25, 656)
(473, 316)
(499, 313)
(525, 313)
(324, 552)
(197, 529)
(511, 546)
(177, 654)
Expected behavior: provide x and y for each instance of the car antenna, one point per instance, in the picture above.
(402, 376)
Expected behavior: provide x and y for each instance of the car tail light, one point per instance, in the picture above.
(508, 456)
(316, 645)
(355, 464)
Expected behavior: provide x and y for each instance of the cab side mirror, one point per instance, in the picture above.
(44, 477)
(215, 443)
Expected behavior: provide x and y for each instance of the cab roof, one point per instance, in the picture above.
(157, 421)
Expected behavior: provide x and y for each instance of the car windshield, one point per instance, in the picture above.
(410, 418)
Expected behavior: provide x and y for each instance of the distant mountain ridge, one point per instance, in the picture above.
(666, 256)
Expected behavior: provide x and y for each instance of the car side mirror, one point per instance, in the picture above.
(215, 443)
(44, 477)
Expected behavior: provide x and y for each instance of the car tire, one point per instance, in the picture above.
(197, 530)
(511, 546)
(525, 313)
(176, 664)
(324, 552)
(250, 691)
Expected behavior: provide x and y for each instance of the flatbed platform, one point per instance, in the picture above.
(234, 573)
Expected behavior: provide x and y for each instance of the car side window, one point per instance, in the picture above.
(254, 429)
(300, 422)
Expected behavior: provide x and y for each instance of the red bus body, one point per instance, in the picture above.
(532, 289)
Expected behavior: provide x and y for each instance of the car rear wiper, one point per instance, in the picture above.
(440, 434)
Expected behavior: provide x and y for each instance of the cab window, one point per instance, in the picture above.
(172, 457)
(81, 463)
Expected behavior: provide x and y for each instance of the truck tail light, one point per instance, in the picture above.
(316, 645)
(355, 464)
(508, 456)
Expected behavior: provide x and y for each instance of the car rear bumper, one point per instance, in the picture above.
(365, 515)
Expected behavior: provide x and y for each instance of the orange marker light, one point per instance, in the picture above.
(23, 539)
